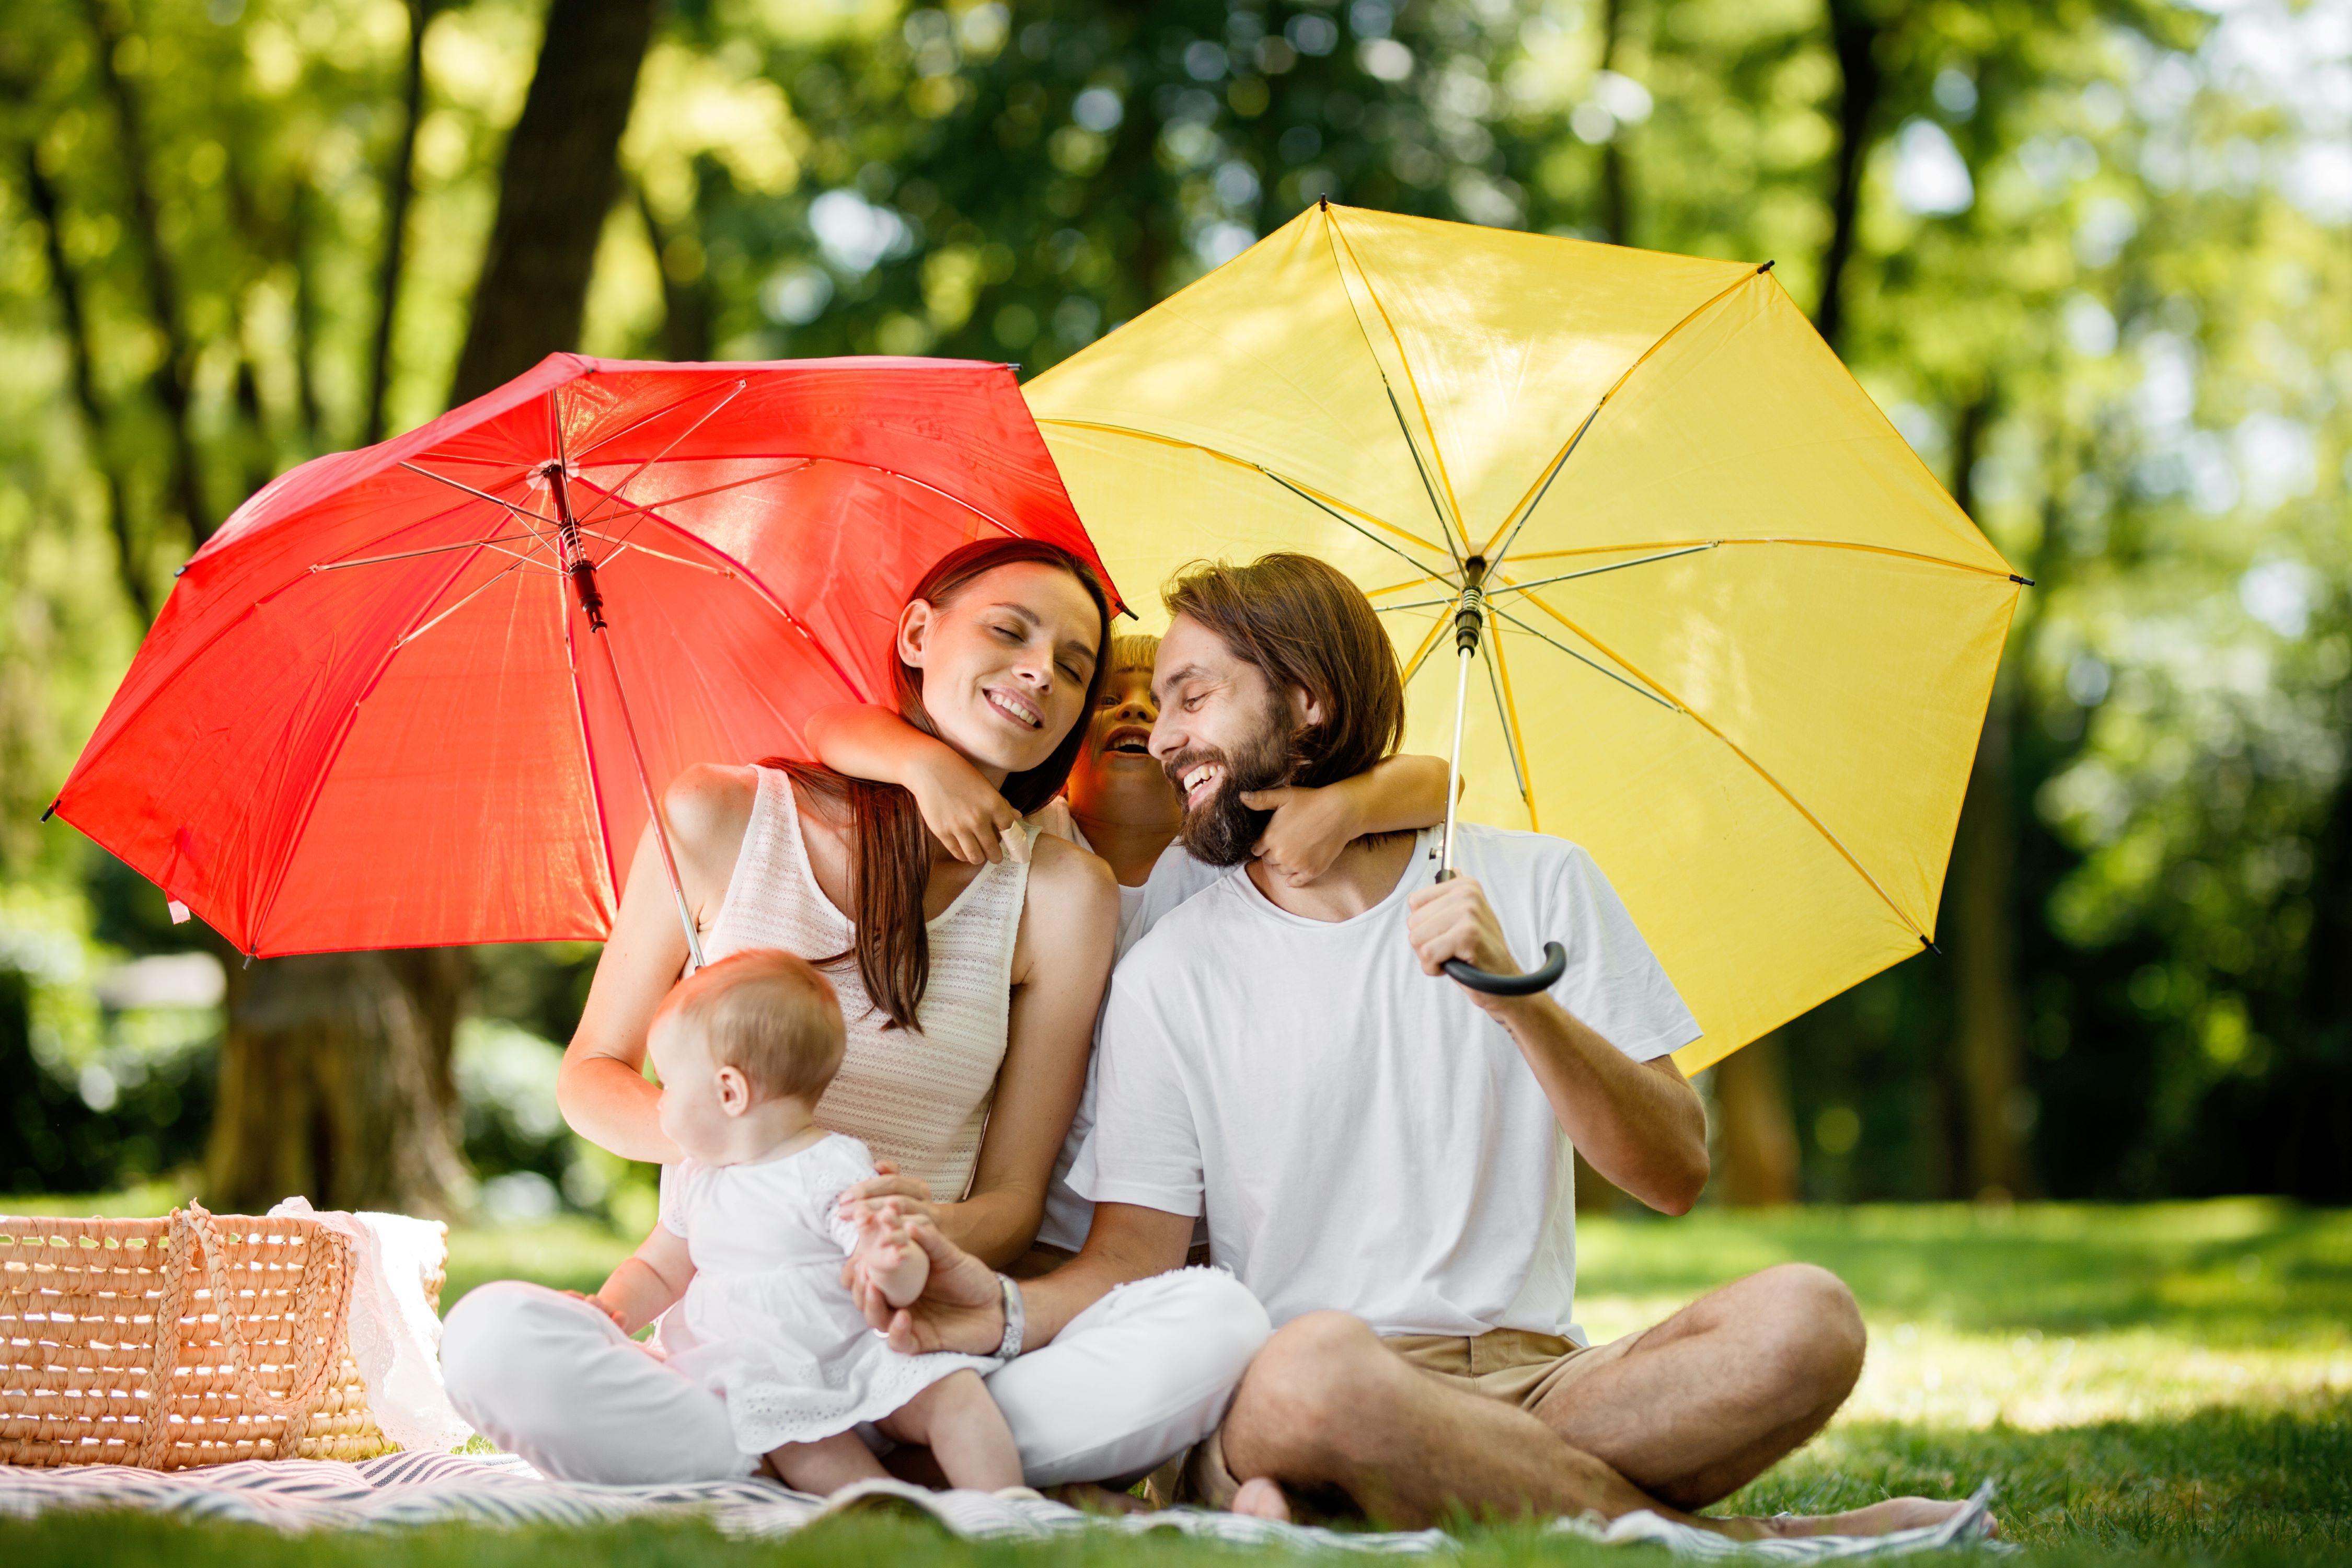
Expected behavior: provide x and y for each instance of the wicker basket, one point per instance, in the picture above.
(114, 1349)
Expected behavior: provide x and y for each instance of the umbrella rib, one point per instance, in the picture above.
(615, 492)
(1760, 771)
(327, 765)
(1807, 543)
(521, 512)
(1517, 518)
(750, 579)
(622, 546)
(629, 506)
(479, 589)
(1412, 666)
(413, 554)
(1326, 502)
(1375, 538)
(1498, 675)
(1340, 242)
(1510, 587)
(1635, 687)
(638, 424)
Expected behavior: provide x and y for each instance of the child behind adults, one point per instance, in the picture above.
(1119, 804)
(749, 1249)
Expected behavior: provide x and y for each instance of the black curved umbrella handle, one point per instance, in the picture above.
(1555, 965)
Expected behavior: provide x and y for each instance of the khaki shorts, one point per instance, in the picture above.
(1513, 1365)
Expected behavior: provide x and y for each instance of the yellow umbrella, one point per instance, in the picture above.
(1741, 641)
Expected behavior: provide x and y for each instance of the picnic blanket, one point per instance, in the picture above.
(414, 1489)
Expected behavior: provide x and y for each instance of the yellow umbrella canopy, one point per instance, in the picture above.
(1741, 641)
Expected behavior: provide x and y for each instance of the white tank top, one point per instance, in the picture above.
(919, 1099)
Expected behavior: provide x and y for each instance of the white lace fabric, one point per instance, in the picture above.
(395, 1338)
(766, 1323)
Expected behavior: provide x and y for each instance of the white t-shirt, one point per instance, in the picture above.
(1363, 1137)
(1175, 877)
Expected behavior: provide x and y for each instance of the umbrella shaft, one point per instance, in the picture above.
(1453, 758)
(652, 806)
(1469, 620)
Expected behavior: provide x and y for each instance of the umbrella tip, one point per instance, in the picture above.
(1931, 947)
(1767, 267)
(51, 812)
(2021, 582)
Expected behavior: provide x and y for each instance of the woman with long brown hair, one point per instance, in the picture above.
(969, 992)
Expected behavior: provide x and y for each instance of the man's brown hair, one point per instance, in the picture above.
(1302, 623)
(767, 1014)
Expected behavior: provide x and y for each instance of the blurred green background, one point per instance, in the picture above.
(2091, 255)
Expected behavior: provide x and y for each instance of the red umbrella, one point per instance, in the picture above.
(422, 693)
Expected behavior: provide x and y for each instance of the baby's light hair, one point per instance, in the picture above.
(1134, 651)
(768, 1015)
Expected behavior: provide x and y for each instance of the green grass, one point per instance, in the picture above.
(2170, 1382)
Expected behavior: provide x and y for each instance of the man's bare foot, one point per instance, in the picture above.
(1878, 1519)
(1260, 1497)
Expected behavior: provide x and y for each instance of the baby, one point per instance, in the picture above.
(751, 1238)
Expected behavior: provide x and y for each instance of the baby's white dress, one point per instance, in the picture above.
(766, 1323)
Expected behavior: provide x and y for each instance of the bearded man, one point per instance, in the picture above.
(1383, 1156)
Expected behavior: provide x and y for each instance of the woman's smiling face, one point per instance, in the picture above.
(1005, 662)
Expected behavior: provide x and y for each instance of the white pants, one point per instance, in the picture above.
(1126, 1385)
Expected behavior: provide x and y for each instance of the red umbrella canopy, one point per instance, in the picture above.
(374, 713)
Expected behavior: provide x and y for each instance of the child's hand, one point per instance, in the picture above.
(620, 1321)
(962, 809)
(888, 1262)
(1310, 827)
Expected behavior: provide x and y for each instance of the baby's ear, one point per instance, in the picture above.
(734, 1091)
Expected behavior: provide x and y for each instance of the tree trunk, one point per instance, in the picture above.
(685, 297)
(335, 1084)
(73, 323)
(1616, 216)
(1988, 1005)
(1854, 35)
(561, 173)
(172, 370)
(398, 183)
(1758, 1134)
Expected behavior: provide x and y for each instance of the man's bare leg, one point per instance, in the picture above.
(1326, 1404)
(1694, 1407)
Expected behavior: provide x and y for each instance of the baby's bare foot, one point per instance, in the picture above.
(1260, 1497)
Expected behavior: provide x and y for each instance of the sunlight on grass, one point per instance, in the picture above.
(2172, 1380)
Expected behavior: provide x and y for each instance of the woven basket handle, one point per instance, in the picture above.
(195, 1224)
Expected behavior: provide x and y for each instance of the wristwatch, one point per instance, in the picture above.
(1014, 1319)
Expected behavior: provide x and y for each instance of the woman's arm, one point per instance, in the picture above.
(1068, 931)
(962, 809)
(603, 1089)
(1310, 827)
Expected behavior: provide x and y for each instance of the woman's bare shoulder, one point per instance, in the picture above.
(709, 803)
(1069, 883)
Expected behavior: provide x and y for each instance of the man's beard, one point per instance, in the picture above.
(1222, 830)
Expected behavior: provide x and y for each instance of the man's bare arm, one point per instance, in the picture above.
(1640, 1123)
(962, 1307)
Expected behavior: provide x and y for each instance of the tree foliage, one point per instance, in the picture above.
(2091, 255)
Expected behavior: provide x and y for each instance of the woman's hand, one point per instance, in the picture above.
(961, 1307)
(910, 1196)
(963, 810)
(1310, 829)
